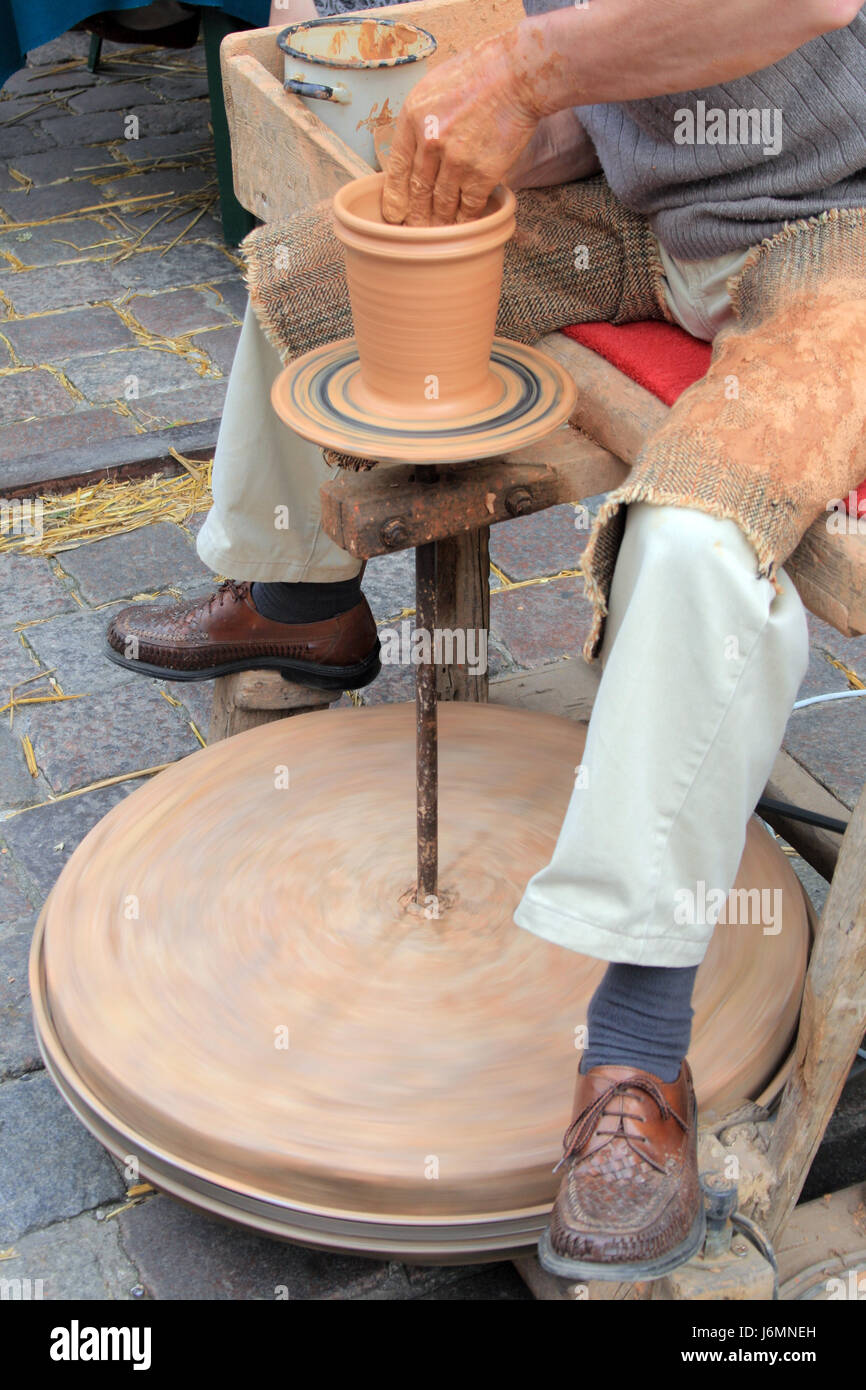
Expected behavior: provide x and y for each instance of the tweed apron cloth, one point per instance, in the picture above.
(770, 437)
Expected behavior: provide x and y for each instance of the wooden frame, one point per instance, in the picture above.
(284, 158)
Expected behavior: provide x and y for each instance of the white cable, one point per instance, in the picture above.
(836, 695)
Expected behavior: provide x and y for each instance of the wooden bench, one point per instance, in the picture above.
(284, 158)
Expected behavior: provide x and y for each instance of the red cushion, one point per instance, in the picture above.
(663, 358)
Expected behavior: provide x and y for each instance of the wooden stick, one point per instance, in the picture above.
(832, 1023)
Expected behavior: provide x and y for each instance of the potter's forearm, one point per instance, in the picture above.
(621, 50)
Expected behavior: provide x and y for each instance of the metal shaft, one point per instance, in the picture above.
(427, 759)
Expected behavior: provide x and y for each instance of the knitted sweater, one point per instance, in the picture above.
(719, 169)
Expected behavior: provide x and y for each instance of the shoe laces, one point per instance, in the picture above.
(582, 1128)
(228, 587)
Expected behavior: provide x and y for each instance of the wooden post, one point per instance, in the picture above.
(249, 698)
(832, 1023)
(463, 605)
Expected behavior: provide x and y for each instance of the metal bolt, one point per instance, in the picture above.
(394, 533)
(518, 501)
(740, 1249)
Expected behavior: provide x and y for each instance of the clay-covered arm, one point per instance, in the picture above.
(621, 50)
(467, 122)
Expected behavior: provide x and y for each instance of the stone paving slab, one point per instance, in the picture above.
(168, 147)
(542, 623)
(64, 240)
(389, 584)
(81, 1259)
(234, 294)
(70, 45)
(32, 80)
(165, 180)
(25, 394)
(19, 1052)
(31, 438)
(20, 788)
(196, 698)
(129, 373)
(544, 543)
(189, 264)
(103, 127)
(184, 1254)
(115, 96)
(851, 651)
(59, 287)
(822, 678)
(220, 346)
(19, 897)
(42, 839)
(203, 401)
(16, 662)
(22, 139)
(33, 206)
(179, 87)
(51, 1166)
(828, 740)
(56, 163)
(134, 562)
(394, 685)
(31, 590)
(74, 333)
(73, 648)
(176, 312)
(80, 742)
(15, 108)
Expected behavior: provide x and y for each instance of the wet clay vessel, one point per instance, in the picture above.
(229, 983)
(424, 377)
(424, 303)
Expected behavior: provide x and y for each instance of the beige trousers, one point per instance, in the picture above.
(701, 662)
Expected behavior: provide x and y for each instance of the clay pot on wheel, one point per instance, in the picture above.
(424, 302)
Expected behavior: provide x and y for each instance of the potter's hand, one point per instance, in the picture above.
(459, 132)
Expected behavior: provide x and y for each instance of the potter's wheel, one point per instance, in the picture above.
(317, 396)
(418, 1108)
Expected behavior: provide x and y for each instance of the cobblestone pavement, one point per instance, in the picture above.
(79, 324)
(120, 303)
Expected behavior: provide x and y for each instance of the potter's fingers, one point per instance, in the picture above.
(446, 197)
(395, 193)
(422, 182)
(473, 201)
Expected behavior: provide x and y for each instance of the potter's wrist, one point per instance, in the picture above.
(535, 73)
(528, 63)
(517, 89)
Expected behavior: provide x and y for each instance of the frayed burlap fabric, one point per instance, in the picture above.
(775, 433)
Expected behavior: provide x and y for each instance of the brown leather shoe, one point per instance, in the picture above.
(203, 638)
(629, 1206)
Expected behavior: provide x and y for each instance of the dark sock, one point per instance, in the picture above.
(306, 603)
(641, 1016)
